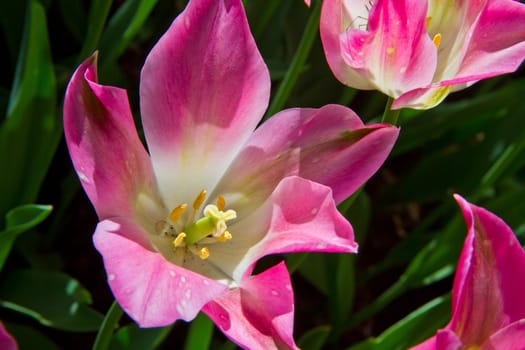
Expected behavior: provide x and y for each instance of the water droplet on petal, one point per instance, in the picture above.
(111, 277)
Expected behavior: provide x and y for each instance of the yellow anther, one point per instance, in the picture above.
(429, 19)
(437, 40)
(204, 253)
(177, 212)
(199, 200)
(221, 203)
(177, 242)
(226, 236)
(390, 51)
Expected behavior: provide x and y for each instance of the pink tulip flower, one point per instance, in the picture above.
(418, 51)
(7, 342)
(182, 225)
(488, 311)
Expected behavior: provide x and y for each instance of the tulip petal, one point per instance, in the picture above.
(7, 342)
(334, 22)
(510, 337)
(497, 45)
(395, 52)
(486, 293)
(259, 314)
(299, 216)
(109, 158)
(329, 145)
(153, 291)
(204, 87)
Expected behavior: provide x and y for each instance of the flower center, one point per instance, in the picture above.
(194, 235)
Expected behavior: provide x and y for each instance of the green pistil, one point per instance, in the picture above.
(199, 229)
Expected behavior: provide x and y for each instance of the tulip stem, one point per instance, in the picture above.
(108, 326)
(390, 116)
(298, 61)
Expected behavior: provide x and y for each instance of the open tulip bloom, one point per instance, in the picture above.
(182, 227)
(488, 311)
(418, 51)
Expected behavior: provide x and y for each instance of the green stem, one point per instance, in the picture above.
(108, 326)
(292, 74)
(390, 115)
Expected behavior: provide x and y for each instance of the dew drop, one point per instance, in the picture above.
(274, 292)
(187, 294)
(111, 277)
(172, 273)
(183, 279)
(314, 211)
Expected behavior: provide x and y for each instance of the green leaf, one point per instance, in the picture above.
(200, 333)
(52, 298)
(32, 129)
(413, 329)
(134, 338)
(19, 220)
(123, 27)
(98, 14)
(29, 338)
(314, 339)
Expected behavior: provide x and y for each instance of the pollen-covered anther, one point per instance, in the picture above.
(225, 237)
(428, 20)
(437, 40)
(202, 252)
(221, 203)
(390, 51)
(179, 240)
(201, 197)
(177, 212)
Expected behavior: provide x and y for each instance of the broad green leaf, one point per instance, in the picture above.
(19, 220)
(314, 339)
(52, 298)
(132, 337)
(32, 129)
(200, 333)
(29, 338)
(414, 328)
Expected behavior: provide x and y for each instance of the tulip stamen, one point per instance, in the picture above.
(437, 40)
(179, 240)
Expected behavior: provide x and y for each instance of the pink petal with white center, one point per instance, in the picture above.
(334, 22)
(204, 87)
(259, 314)
(153, 291)
(329, 145)
(487, 294)
(109, 158)
(7, 342)
(510, 337)
(299, 216)
(394, 52)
